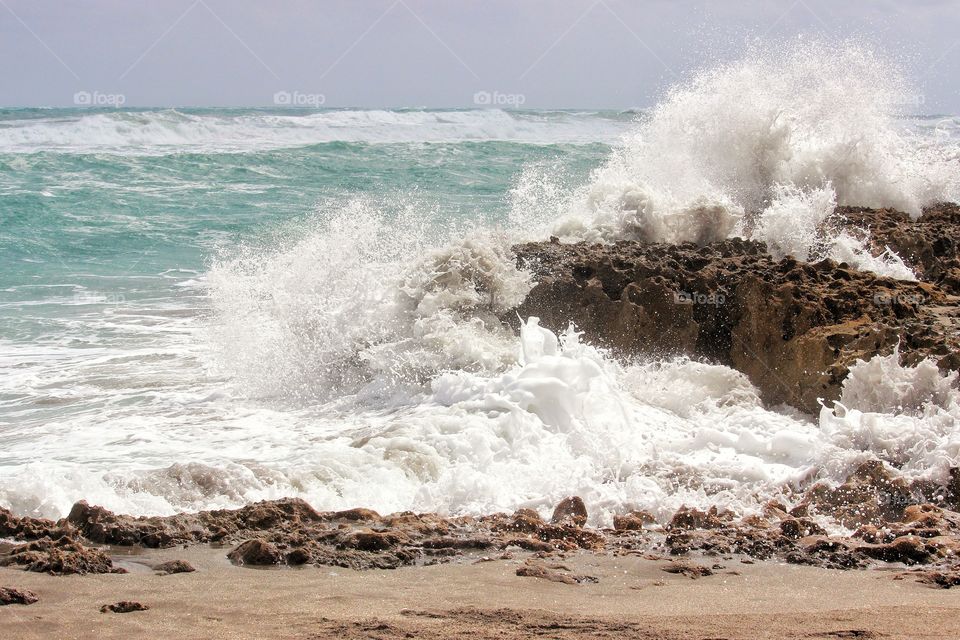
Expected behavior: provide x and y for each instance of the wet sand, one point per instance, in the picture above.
(634, 598)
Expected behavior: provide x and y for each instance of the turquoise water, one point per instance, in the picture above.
(90, 215)
(131, 223)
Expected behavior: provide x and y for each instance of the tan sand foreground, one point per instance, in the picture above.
(633, 598)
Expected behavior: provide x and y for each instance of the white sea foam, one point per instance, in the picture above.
(563, 419)
(793, 224)
(906, 416)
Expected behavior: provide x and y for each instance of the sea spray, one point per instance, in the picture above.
(351, 307)
(764, 147)
(800, 223)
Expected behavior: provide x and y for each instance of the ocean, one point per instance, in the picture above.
(201, 308)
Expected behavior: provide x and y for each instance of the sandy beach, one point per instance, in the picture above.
(633, 598)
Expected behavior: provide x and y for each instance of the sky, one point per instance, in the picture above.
(592, 54)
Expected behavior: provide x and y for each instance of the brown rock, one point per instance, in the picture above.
(826, 552)
(689, 569)
(25, 528)
(928, 245)
(906, 549)
(553, 573)
(297, 556)
(944, 546)
(530, 544)
(256, 552)
(686, 518)
(124, 606)
(870, 495)
(774, 510)
(368, 540)
(526, 521)
(356, 515)
(932, 519)
(796, 528)
(800, 511)
(465, 542)
(874, 535)
(633, 521)
(100, 525)
(363, 560)
(421, 523)
(174, 566)
(9, 595)
(570, 511)
(946, 579)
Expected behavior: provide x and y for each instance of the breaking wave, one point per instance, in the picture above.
(380, 366)
(202, 131)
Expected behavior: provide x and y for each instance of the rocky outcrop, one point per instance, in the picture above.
(793, 328)
(633, 521)
(570, 511)
(944, 579)
(100, 525)
(256, 553)
(893, 524)
(553, 573)
(802, 541)
(174, 566)
(17, 528)
(689, 569)
(871, 495)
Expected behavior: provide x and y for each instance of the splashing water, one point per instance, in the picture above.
(347, 310)
(906, 416)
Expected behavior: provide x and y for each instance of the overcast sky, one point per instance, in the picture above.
(432, 53)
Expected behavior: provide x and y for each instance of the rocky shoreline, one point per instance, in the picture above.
(892, 522)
